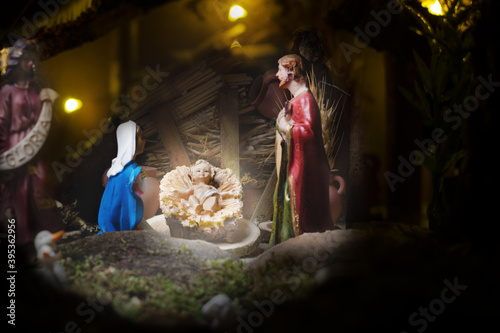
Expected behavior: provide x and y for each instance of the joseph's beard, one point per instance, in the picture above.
(283, 83)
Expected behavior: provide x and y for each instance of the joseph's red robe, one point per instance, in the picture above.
(308, 167)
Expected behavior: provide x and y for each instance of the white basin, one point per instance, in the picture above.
(246, 237)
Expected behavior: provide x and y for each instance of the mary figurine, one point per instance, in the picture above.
(121, 205)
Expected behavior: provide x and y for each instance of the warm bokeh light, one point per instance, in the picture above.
(72, 104)
(236, 12)
(434, 7)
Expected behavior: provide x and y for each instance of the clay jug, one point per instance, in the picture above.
(337, 188)
(150, 198)
(266, 95)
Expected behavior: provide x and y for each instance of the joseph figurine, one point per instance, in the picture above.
(301, 199)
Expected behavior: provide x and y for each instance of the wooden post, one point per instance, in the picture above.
(229, 130)
(170, 137)
(264, 209)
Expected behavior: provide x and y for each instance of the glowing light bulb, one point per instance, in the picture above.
(434, 7)
(236, 12)
(72, 104)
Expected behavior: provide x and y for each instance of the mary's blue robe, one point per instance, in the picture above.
(121, 208)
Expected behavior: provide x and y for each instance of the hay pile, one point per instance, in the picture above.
(191, 98)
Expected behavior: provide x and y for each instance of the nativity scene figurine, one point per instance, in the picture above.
(25, 121)
(122, 205)
(301, 199)
(204, 199)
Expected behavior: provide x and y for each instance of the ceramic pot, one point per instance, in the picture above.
(266, 95)
(337, 188)
(150, 198)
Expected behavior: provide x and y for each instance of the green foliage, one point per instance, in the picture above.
(444, 82)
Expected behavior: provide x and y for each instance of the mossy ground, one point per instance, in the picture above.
(143, 297)
(171, 279)
(139, 297)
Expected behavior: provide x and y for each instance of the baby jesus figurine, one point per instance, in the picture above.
(202, 198)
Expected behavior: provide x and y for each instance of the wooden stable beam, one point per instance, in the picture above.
(264, 209)
(229, 130)
(170, 136)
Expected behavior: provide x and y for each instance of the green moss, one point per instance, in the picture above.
(285, 275)
(135, 296)
(139, 297)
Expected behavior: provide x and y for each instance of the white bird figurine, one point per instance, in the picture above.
(48, 256)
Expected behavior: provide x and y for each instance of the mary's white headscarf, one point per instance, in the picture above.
(125, 136)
